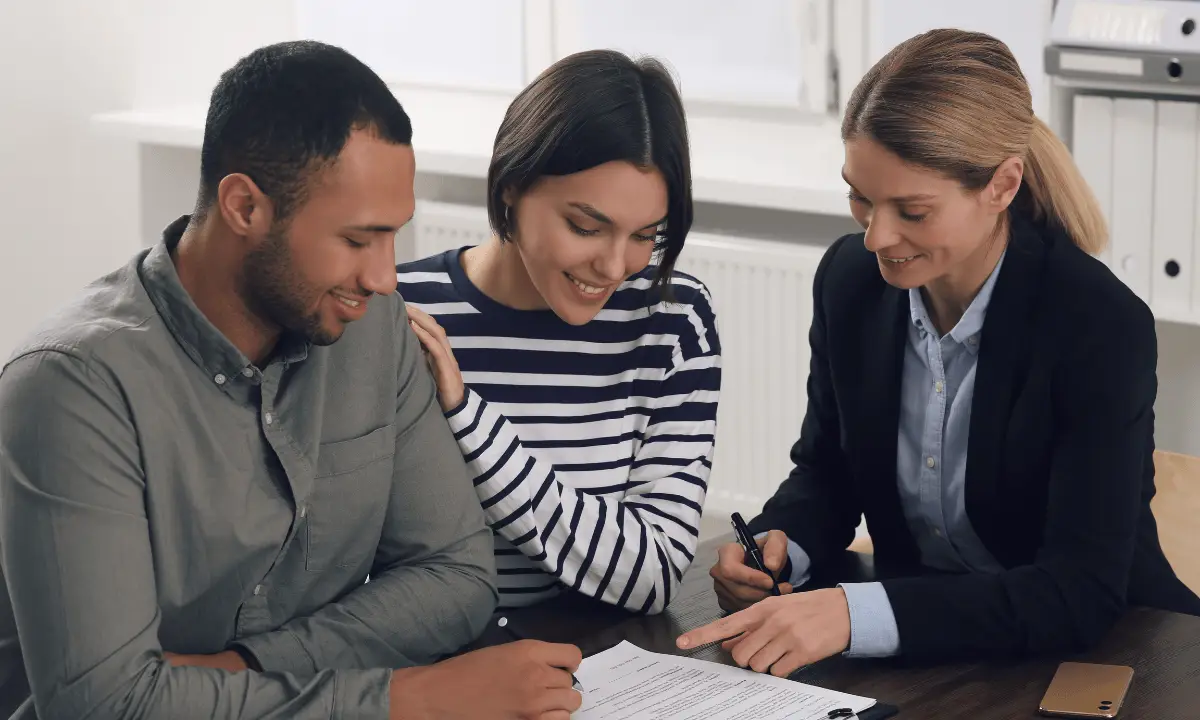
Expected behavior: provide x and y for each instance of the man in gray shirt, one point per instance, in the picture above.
(204, 457)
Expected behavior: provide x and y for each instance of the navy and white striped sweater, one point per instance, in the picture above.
(590, 445)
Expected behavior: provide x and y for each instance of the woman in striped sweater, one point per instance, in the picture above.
(579, 373)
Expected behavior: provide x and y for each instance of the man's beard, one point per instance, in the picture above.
(275, 292)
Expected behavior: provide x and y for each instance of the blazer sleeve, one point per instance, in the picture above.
(1075, 589)
(815, 506)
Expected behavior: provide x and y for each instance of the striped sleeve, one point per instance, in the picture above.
(629, 551)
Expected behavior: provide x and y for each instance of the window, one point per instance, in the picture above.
(466, 44)
(773, 53)
(799, 55)
(753, 53)
(1024, 25)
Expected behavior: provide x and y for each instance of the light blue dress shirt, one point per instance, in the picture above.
(936, 390)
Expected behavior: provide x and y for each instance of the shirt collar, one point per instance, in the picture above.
(967, 330)
(199, 338)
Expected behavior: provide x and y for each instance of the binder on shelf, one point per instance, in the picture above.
(1194, 268)
(1092, 146)
(1133, 192)
(1174, 217)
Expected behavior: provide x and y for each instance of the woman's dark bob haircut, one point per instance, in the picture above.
(588, 109)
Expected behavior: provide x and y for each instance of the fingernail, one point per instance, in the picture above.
(684, 642)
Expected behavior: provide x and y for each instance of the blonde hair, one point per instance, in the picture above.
(956, 102)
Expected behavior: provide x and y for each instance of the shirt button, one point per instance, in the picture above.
(303, 510)
(973, 340)
(930, 462)
(258, 590)
(937, 532)
(248, 372)
(937, 386)
(219, 379)
(269, 418)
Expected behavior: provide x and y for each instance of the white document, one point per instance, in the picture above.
(628, 683)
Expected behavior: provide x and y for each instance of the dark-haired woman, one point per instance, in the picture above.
(579, 373)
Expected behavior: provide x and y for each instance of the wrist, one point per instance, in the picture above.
(451, 406)
(451, 401)
(405, 697)
(230, 661)
(247, 659)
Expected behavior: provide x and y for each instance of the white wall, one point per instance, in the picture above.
(183, 46)
(67, 198)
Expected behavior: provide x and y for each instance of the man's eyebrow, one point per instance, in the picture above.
(377, 228)
(373, 228)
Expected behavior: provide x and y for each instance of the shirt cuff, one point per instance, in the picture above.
(278, 651)
(873, 631)
(798, 560)
(801, 565)
(362, 694)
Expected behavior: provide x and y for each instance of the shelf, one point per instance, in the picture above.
(791, 165)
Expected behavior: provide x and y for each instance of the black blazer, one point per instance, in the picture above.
(1059, 462)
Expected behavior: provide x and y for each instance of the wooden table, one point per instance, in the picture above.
(1163, 648)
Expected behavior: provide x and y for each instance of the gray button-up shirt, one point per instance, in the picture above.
(160, 492)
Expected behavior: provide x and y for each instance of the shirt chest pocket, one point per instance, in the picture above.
(349, 500)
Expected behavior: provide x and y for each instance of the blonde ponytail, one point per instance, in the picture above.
(957, 103)
(1059, 193)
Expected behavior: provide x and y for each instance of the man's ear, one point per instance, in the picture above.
(244, 207)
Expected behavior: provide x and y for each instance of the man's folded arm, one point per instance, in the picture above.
(77, 559)
(432, 588)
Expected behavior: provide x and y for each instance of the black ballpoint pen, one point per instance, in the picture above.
(754, 556)
(504, 625)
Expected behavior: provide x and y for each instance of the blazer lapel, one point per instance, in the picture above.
(1003, 354)
(879, 413)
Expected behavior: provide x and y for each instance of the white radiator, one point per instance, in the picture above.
(763, 296)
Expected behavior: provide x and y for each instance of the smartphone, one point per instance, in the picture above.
(1083, 690)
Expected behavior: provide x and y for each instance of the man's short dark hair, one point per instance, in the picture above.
(588, 109)
(286, 111)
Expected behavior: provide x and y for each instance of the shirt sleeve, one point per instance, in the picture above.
(629, 551)
(873, 631)
(431, 588)
(77, 560)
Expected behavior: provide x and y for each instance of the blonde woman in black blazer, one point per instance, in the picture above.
(981, 390)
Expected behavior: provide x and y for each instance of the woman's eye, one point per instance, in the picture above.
(579, 230)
